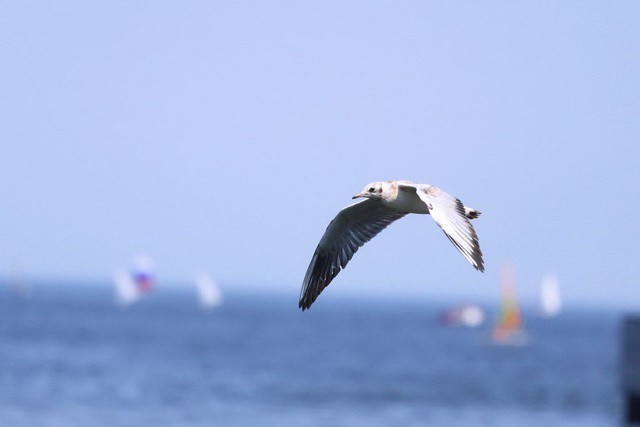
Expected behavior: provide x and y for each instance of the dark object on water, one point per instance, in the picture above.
(630, 369)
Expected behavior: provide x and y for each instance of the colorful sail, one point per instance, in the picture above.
(131, 285)
(510, 320)
(143, 273)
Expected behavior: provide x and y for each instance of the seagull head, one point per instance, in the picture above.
(373, 190)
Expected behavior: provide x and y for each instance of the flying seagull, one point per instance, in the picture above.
(386, 202)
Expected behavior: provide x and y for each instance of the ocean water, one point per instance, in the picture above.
(70, 357)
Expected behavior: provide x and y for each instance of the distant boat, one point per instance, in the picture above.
(469, 315)
(550, 300)
(209, 293)
(132, 285)
(508, 328)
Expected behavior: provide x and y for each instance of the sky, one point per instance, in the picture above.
(225, 136)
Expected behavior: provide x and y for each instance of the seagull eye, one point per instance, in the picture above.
(371, 190)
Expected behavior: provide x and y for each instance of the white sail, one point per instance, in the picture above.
(469, 315)
(126, 290)
(550, 300)
(209, 294)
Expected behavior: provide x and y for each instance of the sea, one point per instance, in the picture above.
(69, 356)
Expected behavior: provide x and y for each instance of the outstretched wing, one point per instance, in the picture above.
(449, 213)
(354, 226)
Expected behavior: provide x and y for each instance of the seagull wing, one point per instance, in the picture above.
(449, 213)
(354, 226)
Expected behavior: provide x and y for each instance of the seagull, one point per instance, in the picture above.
(386, 201)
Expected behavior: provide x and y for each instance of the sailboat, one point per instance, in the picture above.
(469, 315)
(132, 285)
(209, 294)
(550, 300)
(508, 328)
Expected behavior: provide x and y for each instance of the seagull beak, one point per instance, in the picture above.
(358, 195)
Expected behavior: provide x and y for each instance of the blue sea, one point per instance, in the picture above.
(70, 357)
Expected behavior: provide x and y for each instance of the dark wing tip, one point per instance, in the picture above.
(321, 272)
(304, 303)
(476, 254)
(350, 229)
(308, 299)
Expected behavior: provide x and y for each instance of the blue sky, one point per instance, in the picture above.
(226, 135)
